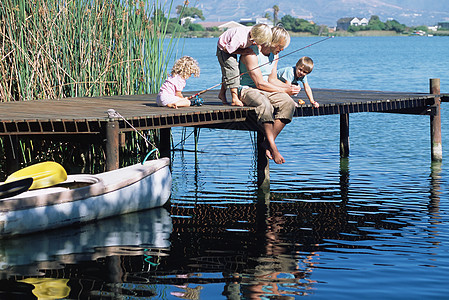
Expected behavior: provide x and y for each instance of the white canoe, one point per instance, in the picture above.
(134, 188)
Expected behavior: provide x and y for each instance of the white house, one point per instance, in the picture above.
(443, 25)
(256, 21)
(344, 23)
(183, 20)
(220, 25)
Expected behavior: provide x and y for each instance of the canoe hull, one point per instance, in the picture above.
(117, 192)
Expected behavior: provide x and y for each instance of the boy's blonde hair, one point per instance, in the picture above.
(261, 34)
(280, 37)
(306, 63)
(185, 67)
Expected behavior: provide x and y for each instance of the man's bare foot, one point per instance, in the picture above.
(268, 154)
(277, 157)
(273, 154)
(267, 149)
(236, 102)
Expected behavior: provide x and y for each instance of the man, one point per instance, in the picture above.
(260, 88)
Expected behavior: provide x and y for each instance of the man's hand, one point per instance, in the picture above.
(293, 90)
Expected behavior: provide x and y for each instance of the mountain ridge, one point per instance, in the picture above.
(327, 12)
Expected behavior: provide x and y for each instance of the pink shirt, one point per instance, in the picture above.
(167, 93)
(173, 84)
(234, 38)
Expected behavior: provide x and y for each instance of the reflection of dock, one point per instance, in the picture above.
(86, 119)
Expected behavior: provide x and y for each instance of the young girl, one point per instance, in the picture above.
(232, 42)
(170, 93)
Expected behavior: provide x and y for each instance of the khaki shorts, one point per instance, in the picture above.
(229, 69)
(269, 105)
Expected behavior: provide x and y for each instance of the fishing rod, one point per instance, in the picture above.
(279, 57)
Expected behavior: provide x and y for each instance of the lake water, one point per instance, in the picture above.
(373, 226)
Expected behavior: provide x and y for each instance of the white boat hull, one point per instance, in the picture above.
(112, 193)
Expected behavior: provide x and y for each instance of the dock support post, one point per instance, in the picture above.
(435, 122)
(112, 145)
(263, 166)
(164, 142)
(344, 135)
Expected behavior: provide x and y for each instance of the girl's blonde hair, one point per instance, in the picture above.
(306, 63)
(185, 67)
(280, 37)
(261, 34)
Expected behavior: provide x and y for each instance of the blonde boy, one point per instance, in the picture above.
(298, 73)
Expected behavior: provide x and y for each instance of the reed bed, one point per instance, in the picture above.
(53, 49)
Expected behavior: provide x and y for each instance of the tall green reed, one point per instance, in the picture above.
(53, 49)
(57, 49)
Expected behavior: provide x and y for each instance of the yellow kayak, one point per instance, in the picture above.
(44, 174)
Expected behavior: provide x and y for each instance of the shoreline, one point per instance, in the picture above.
(367, 33)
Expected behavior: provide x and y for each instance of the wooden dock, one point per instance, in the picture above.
(71, 117)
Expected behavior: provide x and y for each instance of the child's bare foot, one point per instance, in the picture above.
(224, 101)
(172, 105)
(236, 102)
(222, 97)
(235, 98)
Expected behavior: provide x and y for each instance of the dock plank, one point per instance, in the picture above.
(78, 115)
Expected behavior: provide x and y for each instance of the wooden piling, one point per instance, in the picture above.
(112, 145)
(164, 142)
(435, 122)
(344, 135)
(263, 166)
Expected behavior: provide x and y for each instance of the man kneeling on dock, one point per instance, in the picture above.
(260, 88)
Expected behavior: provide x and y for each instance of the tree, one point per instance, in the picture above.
(354, 28)
(395, 26)
(421, 28)
(267, 16)
(375, 23)
(288, 22)
(189, 26)
(299, 25)
(174, 26)
(196, 27)
(275, 14)
(193, 12)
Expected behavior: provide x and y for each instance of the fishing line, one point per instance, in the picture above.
(279, 57)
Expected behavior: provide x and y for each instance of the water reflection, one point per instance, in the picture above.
(261, 248)
(435, 189)
(28, 255)
(48, 288)
(250, 249)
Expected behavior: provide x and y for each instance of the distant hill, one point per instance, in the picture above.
(327, 12)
